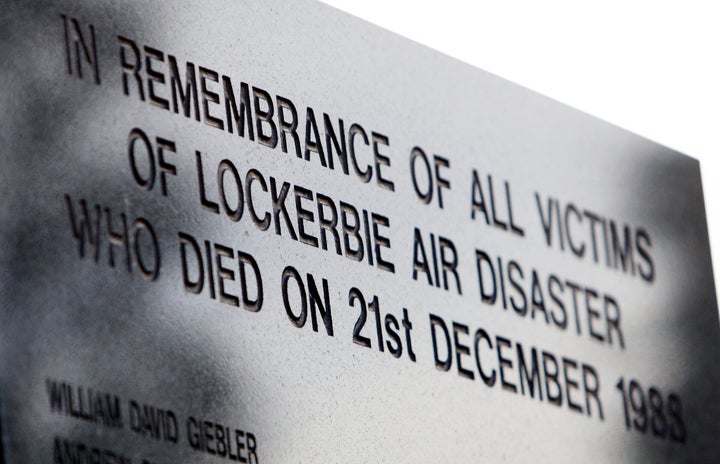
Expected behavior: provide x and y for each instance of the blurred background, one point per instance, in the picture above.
(651, 67)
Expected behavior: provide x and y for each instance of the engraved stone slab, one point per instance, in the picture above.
(271, 232)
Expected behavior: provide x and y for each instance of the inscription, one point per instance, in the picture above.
(144, 420)
(505, 363)
(258, 201)
(84, 404)
(274, 242)
(253, 113)
(297, 213)
(80, 49)
(75, 452)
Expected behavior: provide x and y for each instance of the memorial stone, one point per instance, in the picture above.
(269, 232)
